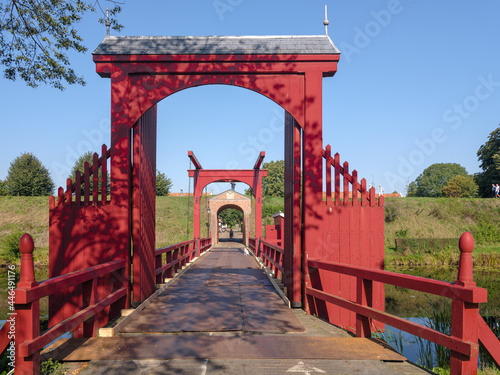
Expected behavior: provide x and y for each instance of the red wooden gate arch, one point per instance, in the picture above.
(286, 69)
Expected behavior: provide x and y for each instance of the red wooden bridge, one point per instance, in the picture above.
(330, 260)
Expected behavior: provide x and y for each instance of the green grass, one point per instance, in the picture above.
(442, 218)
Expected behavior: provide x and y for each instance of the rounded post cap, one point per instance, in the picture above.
(466, 243)
(26, 244)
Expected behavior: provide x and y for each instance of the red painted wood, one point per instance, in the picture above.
(143, 205)
(61, 283)
(104, 173)
(78, 190)
(337, 179)
(364, 297)
(27, 316)
(203, 177)
(86, 184)
(259, 160)
(464, 325)
(33, 346)
(439, 288)
(466, 246)
(328, 167)
(296, 295)
(95, 178)
(346, 184)
(451, 342)
(489, 340)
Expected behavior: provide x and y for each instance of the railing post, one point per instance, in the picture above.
(158, 264)
(465, 315)
(27, 321)
(89, 296)
(364, 297)
(197, 244)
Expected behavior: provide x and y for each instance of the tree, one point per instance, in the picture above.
(434, 178)
(163, 184)
(3, 188)
(28, 177)
(273, 184)
(411, 190)
(231, 216)
(80, 166)
(461, 187)
(489, 156)
(36, 35)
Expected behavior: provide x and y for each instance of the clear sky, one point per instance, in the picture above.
(418, 83)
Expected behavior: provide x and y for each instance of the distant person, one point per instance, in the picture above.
(493, 191)
(231, 233)
(381, 191)
(497, 194)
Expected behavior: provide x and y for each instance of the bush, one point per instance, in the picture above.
(9, 247)
(461, 187)
(391, 212)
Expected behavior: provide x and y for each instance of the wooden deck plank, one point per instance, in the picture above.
(203, 346)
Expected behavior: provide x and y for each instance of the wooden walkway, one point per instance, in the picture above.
(223, 316)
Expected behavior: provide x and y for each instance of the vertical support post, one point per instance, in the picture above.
(28, 315)
(465, 315)
(89, 291)
(364, 297)
(296, 295)
(313, 166)
(197, 193)
(257, 188)
(137, 257)
(121, 172)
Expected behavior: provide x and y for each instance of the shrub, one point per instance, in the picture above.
(391, 212)
(461, 187)
(9, 247)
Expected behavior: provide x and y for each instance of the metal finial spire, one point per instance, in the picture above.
(108, 24)
(326, 22)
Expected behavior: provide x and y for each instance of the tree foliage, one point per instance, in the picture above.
(273, 184)
(28, 177)
(35, 37)
(231, 216)
(163, 184)
(434, 178)
(3, 188)
(461, 187)
(489, 156)
(80, 166)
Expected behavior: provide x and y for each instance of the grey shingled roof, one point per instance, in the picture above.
(219, 45)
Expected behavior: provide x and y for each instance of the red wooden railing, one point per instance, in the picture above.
(25, 325)
(272, 256)
(252, 244)
(82, 183)
(177, 256)
(467, 325)
(205, 244)
(358, 194)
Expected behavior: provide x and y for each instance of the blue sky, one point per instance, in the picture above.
(418, 83)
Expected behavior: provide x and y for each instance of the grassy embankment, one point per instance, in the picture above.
(442, 218)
